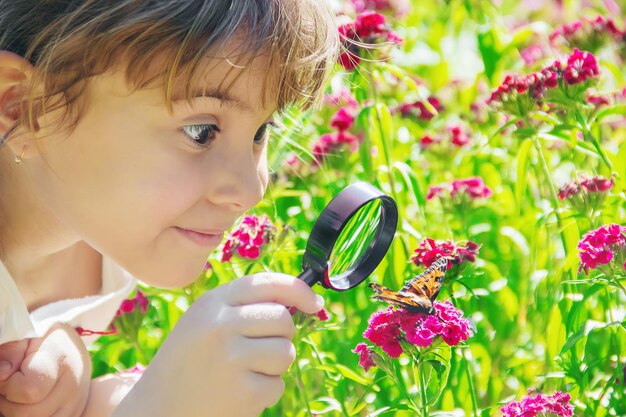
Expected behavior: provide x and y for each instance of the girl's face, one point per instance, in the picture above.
(135, 182)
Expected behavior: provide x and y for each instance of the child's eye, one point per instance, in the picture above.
(201, 136)
(262, 135)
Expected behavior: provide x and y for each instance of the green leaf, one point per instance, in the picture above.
(346, 372)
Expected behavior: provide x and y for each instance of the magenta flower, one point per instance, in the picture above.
(602, 246)
(580, 67)
(390, 328)
(398, 7)
(429, 250)
(584, 186)
(333, 142)
(370, 28)
(137, 303)
(517, 95)
(556, 404)
(473, 188)
(417, 110)
(366, 356)
(587, 34)
(248, 238)
(343, 119)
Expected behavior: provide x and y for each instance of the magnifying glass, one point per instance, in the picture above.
(350, 237)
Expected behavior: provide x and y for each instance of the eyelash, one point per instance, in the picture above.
(214, 129)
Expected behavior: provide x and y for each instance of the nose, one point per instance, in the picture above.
(237, 178)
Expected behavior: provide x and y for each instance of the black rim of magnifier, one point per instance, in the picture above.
(328, 227)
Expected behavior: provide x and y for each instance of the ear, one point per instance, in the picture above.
(15, 76)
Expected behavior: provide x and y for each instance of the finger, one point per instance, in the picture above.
(64, 401)
(36, 376)
(268, 390)
(274, 288)
(263, 320)
(268, 356)
(11, 357)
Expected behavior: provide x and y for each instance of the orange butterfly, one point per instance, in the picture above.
(418, 294)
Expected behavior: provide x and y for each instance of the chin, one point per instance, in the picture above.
(169, 279)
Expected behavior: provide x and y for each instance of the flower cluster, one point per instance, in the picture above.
(519, 95)
(587, 34)
(455, 135)
(368, 28)
(586, 194)
(473, 187)
(137, 303)
(599, 100)
(248, 238)
(429, 250)
(418, 110)
(398, 7)
(603, 246)
(556, 404)
(390, 328)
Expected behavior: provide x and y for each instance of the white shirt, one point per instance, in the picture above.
(94, 312)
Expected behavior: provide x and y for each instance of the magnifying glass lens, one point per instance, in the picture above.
(355, 239)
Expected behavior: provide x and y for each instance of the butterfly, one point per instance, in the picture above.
(419, 292)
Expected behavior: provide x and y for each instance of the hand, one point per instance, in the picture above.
(49, 377)
(226, 355)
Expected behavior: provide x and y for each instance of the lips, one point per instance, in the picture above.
(202, 237)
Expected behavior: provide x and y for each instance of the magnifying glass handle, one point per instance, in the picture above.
(309, 276)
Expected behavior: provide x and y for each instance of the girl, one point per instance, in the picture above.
(134, 133)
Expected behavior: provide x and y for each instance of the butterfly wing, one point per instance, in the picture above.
(414, 303)
(428, 283)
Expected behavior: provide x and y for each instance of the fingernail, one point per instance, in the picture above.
(320, 301)
(5, 366)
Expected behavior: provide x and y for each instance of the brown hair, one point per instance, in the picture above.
(68, 41)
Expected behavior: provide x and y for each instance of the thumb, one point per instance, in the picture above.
(34, 379)
(6, 369)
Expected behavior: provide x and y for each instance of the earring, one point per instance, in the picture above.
(18, 158)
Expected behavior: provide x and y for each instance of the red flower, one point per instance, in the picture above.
(580, 67)
(418, 110)
(429, 250)
(473, 187)
(601, 246)
(388, 328)
(366, 356)
(343, 119)
(248, 238)
(368, 27)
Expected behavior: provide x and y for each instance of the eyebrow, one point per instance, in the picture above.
(223, 97)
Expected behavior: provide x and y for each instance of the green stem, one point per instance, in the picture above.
(470, 382)
(139, 353)
(422, 384)
(589, 136)
(553, 197)
(400, 384)
(301, 387)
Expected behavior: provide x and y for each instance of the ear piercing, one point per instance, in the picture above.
(18, 158)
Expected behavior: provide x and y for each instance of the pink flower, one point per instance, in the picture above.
(333, 142)
(459, 137)
(366, 356)
(429, 250)
(518, 95)
(398, 7)
(128, 306)
(473, 187)
(587, 34)
(531, 406)
(532, 54)
(388, 328)
(248, 238)
(342, 120)
(322, 315)
(580, 67)
(369, 27)
(418, 110)
(601, 246)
